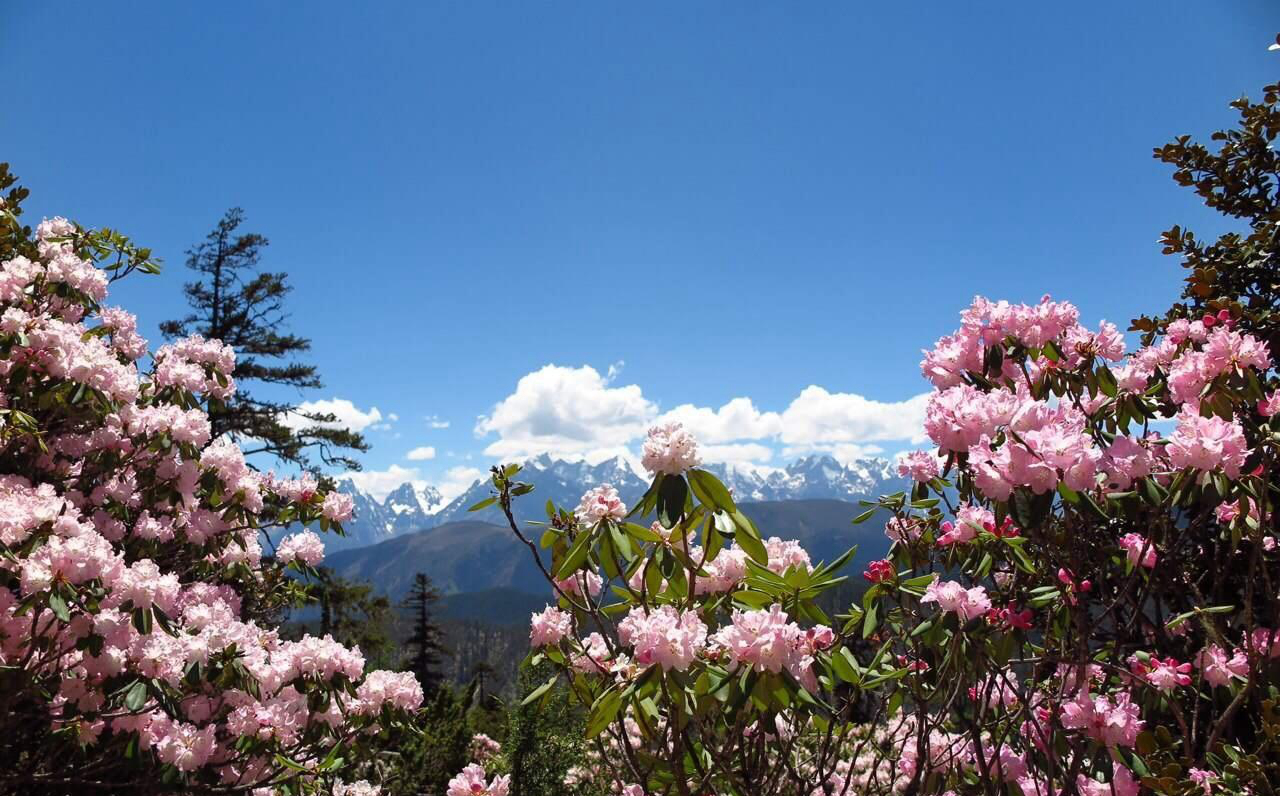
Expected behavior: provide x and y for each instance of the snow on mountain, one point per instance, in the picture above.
(411, 508)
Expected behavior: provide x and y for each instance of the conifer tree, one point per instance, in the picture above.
(233, 301)
(426, 641)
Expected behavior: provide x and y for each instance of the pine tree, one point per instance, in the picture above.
(426, 641)
(234, 302)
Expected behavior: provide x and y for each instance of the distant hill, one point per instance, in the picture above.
(502, 606)
(493, 574)
(414, 507)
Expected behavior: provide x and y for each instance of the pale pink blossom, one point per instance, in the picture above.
(669, 449)
(954, 598)
(471, 781)
(600, 503)
(548, 627)
(670, 638)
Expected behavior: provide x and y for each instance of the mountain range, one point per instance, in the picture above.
(409, 507)
(470, 557)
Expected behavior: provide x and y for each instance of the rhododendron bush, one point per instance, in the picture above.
(1073, 602)
(1080, 596)
(136, 647)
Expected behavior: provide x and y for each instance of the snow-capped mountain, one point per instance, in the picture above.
(810, 477)
(410, 508)
(407, 508)
(553, 479)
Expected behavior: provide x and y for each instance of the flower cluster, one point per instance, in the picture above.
(670, 449)
(135, 593)
(599, 504)
(664, 636)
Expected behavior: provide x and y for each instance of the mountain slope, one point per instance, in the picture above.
(409, 507)
(553, 479)
(471, 556)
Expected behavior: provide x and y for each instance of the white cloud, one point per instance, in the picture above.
(570, 413)
(347, 415)
(379, 483)
(577, 413)
(434, 421)
(738, 419)
(821, 420)
(421, 454)
(457, 480)
(741, 454)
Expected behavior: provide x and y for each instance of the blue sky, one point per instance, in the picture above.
(700, 202)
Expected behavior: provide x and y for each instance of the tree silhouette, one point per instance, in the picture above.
(425, 642)
(234, 302)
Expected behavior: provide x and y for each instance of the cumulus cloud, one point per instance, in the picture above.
(457, 480)
(822, 420)
(347, 415)
(738, 419)
(742, 454)
(577, 413)
(421, 454)
(379, 483)
(571, 413)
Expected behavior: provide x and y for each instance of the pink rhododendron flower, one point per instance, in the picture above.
(1113, 723)
(920, 466)
(483, 748)
(665, 636)
(1165, 674)
(549, 627)
(723, 572)
(880, 571)
(1218, 669)
(338, 507)
(1139, 551)
(783, 555)
(600, 503)
(902, 530)
(305, 547)
(1203, 778)
(400, 689)
(765, 640)
(1269, 404)
(576, 582)
(954, 598)
(1208, 444)
(471, 782)
(669, 449)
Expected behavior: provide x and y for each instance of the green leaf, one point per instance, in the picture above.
(640, 532)
(748, 538)
(1068, 494)
(539, 691)
(136, 696)
(842, 667)
(142, 620)
(672, 494)
(484, 504)
(1107, 382)
(577, 555)
(604, 711)
(866, 515)
(709, 491)
(869, 621)
(59, 607)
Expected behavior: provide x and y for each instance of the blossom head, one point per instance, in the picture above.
(669, 449)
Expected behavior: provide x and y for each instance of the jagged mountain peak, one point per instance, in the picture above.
(411, 507)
